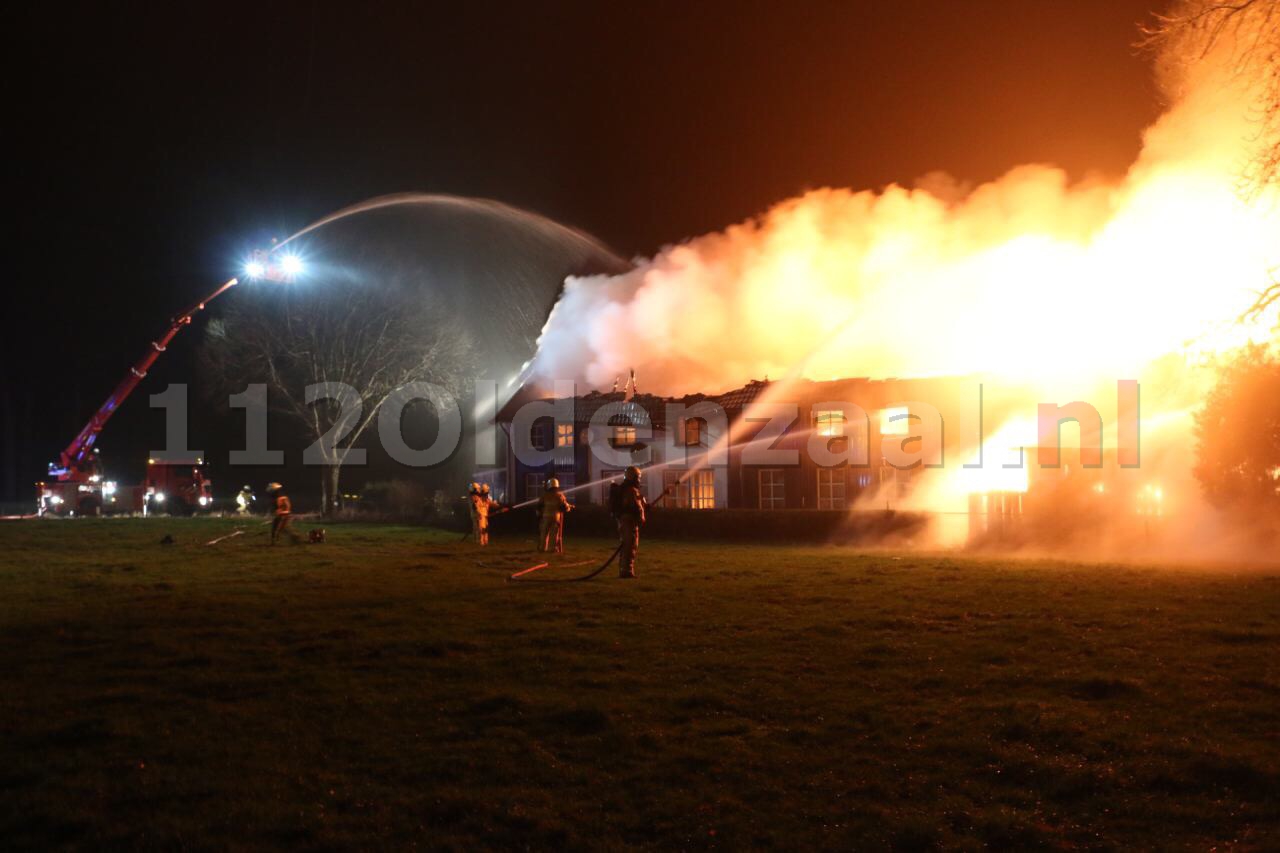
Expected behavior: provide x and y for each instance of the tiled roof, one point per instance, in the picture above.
(585, 407)
(797, 391)
(740, 397)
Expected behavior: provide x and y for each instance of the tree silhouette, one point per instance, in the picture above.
(1238, 436)
(375, 337)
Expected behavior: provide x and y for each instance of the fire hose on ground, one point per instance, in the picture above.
(518, 576)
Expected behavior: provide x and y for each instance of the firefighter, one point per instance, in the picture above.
(282, 521)
(482, 506)
(494, 508)
(551, 510)
(631, 517)
(474, 510)
(244, 500)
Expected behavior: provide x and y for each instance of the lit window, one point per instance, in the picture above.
(831, 488)
(623, 436)
(773, 488)
(564, 435)
(677, 492)
(829, 422)
(895, 421)
(693, 429)
(702, 490)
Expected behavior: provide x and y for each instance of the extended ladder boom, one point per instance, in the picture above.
(71, 463)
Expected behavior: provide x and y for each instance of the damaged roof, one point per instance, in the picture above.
(585, 406)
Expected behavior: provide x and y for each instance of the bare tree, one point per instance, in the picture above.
(349, 333)
(1247, 33)
(1238, 437)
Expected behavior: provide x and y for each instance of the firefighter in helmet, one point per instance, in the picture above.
(551, 512)
(282, 520)
(482, 506)
(495, 508)
(244, 500)
(631, 517)
(474, 509)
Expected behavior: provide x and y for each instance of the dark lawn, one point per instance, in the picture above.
(384, 690)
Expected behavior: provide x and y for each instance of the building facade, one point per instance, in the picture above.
(716, 451)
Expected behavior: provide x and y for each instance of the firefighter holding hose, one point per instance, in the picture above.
(630, 512)
(479, 513)
(551, 512)
(282, 520)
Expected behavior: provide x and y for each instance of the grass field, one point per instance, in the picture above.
(386, 690)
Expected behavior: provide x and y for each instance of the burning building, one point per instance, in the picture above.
(915, 446)
(715, 451)
(1042, 285)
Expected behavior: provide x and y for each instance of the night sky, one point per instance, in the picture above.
(151, 145)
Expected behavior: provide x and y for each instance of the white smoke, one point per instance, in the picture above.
(1027, 276)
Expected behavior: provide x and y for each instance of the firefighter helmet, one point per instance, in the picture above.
(632, 474)
(484, 488)
(552, 483)
(274, 487)
(475, 488)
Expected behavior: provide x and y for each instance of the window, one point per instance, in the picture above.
(534, 484)
(895, 421)
(568, 479)
(831, 488)
(564, 435)
(694, 431)
(856, 431)
(609, 476)
(539, 435)
(829, 423)
(773, 488)
(624, 435)
(892, 474)
(702, 489)
(677, 492)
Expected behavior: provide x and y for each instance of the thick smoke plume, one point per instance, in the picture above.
(1034, 282)
(1029, 277)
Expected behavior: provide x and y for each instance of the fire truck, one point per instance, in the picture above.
(175, 486)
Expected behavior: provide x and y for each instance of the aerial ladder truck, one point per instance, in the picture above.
(76, 485)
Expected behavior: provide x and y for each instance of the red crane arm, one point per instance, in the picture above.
(71, 462)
